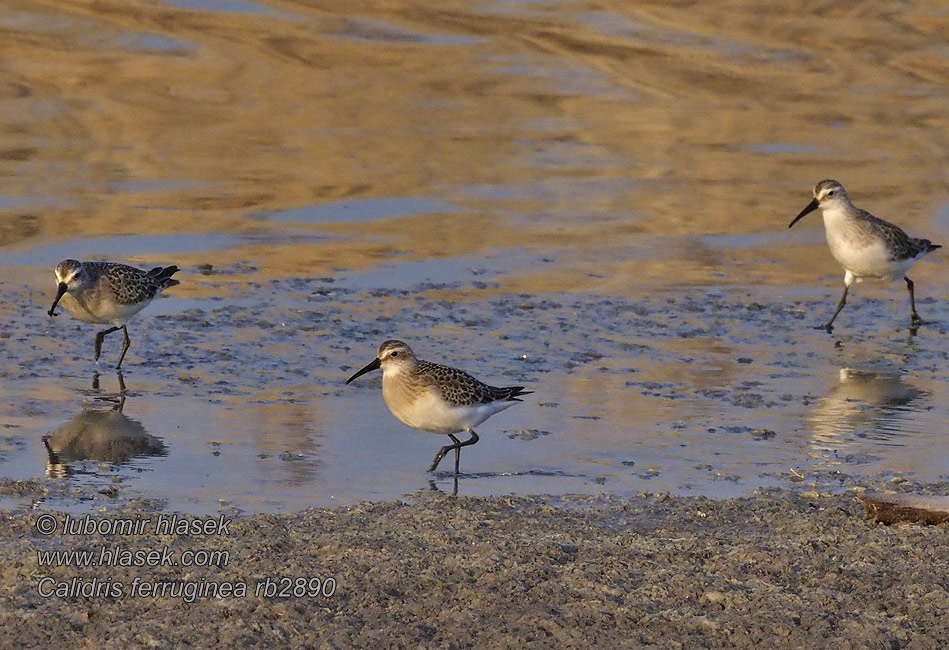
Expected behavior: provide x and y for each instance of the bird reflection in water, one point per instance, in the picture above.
(100, 432)
(433, 487)
(864, 405)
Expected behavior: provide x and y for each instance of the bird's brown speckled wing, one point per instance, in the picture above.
(459, 388)
(131, 285)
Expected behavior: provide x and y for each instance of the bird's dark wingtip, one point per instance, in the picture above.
(163, 272)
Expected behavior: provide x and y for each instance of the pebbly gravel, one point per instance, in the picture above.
(655, 571)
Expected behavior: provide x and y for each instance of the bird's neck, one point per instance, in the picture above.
(401, 370)
(838, 214)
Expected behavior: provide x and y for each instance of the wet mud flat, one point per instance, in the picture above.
(798, 568)
(698, 390)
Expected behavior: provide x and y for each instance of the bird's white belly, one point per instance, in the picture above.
(866, 259)
(429, 412)
(100, 311)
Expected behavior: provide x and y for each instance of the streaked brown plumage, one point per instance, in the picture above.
(108, 293)
(435, 398)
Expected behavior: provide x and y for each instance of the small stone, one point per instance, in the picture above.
(714, 596)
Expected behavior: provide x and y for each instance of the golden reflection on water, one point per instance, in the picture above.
(568, 124)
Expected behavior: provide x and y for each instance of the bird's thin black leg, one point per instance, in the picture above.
(470, 441)
(457, 447)
(444, 450)
(917, 321)
(125, 346)
(840, 305)
(100, 336)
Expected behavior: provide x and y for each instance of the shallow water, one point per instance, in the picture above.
(588, 200)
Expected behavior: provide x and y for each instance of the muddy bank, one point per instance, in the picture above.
(803, 570)
(692, 391)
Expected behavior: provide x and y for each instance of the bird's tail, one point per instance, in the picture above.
(511, 393)
(163, 275)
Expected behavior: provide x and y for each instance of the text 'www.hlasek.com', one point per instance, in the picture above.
(176, 564)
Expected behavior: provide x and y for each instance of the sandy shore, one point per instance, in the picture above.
(805, 571)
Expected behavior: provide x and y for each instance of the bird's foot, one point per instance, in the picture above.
(438, 459)
(915, 322)
(827, 328)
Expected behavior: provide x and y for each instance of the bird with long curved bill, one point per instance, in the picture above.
(435, 398)
(108, 293)
(867, 247)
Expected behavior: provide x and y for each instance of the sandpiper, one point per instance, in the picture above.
(865, 246)
(108, 293)
(436, 398)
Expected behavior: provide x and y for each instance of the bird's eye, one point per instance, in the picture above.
(830, 193)
(395, 354)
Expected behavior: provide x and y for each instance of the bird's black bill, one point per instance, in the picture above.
(59, 294)
(810, 208)
(375, 364)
